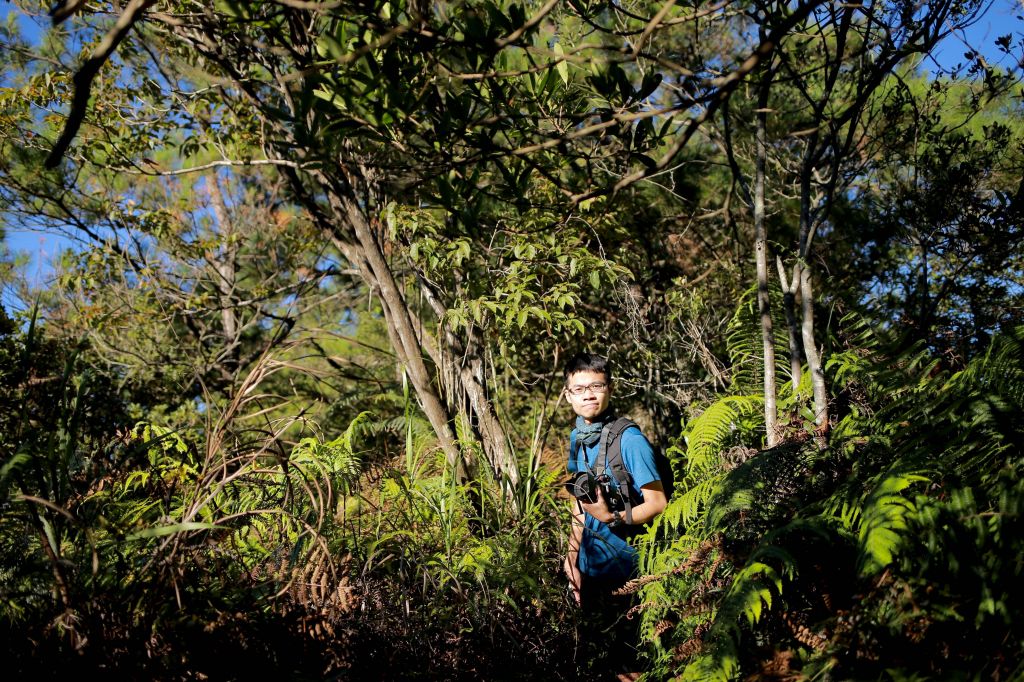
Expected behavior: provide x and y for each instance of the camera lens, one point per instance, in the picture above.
(582, 486)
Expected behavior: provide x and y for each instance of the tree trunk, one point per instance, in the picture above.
(821, 416)
(351, 233)
(761, 254)
(366, 254)
(790, 289)
(225, 269)
(467, 362)
(802, 273)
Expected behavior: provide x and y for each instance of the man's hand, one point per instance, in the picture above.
(654, 503)
(599, 509)
(572, 571)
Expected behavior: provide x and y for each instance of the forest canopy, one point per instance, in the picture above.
(296, 378)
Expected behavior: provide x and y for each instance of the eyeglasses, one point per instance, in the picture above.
(596, 387)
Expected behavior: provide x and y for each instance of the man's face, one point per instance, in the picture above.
(590, 403)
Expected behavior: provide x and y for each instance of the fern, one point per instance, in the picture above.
(721, 665)
(339, 457)
(906, 430)
(684, 509)
(883, 519)
(720, 424)
(744, 343)
(754, 588)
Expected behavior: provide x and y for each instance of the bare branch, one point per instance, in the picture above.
(311, 6)
(651, 25)
(215, 164)
(65, 9)
(725, 85)
(84, 77)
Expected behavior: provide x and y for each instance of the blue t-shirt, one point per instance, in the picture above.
(603, 553)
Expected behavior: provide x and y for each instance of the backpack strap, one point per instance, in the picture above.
(608, 431)
(609, 459)
(573, 465)
(610, 454)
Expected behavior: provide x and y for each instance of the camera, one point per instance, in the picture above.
(583, 486)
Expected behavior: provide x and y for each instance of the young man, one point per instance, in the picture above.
(600, 557)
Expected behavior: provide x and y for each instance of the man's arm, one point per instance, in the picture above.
(654, 503)
(572, 566)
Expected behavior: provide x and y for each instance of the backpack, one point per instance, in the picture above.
(610, 452)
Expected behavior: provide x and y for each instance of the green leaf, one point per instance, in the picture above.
(233, 9)
(650, 84)
(883, 517)
(563, 68)
(327, 45)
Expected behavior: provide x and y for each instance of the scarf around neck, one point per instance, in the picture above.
(590, 434)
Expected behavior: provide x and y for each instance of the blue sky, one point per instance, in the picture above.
(1002, 17)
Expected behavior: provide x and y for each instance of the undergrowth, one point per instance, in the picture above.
(891, 553)
(233, 553)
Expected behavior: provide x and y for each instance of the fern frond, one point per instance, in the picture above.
(744, 343)
(9, 471)
(708, 434)
(1003, 367)
(882, 521)
(722, 664)
(684, 509)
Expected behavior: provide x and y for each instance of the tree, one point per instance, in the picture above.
(821, 87)
(389, 78)
(948, 215)
(194, 292)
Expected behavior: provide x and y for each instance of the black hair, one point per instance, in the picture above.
(588, 362)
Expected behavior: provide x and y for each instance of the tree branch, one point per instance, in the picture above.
(216, 164)
(84, 77)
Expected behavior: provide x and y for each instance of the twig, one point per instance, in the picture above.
(84, 77)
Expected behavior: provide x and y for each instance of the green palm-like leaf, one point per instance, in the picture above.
(883, 519)
(707, 434)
